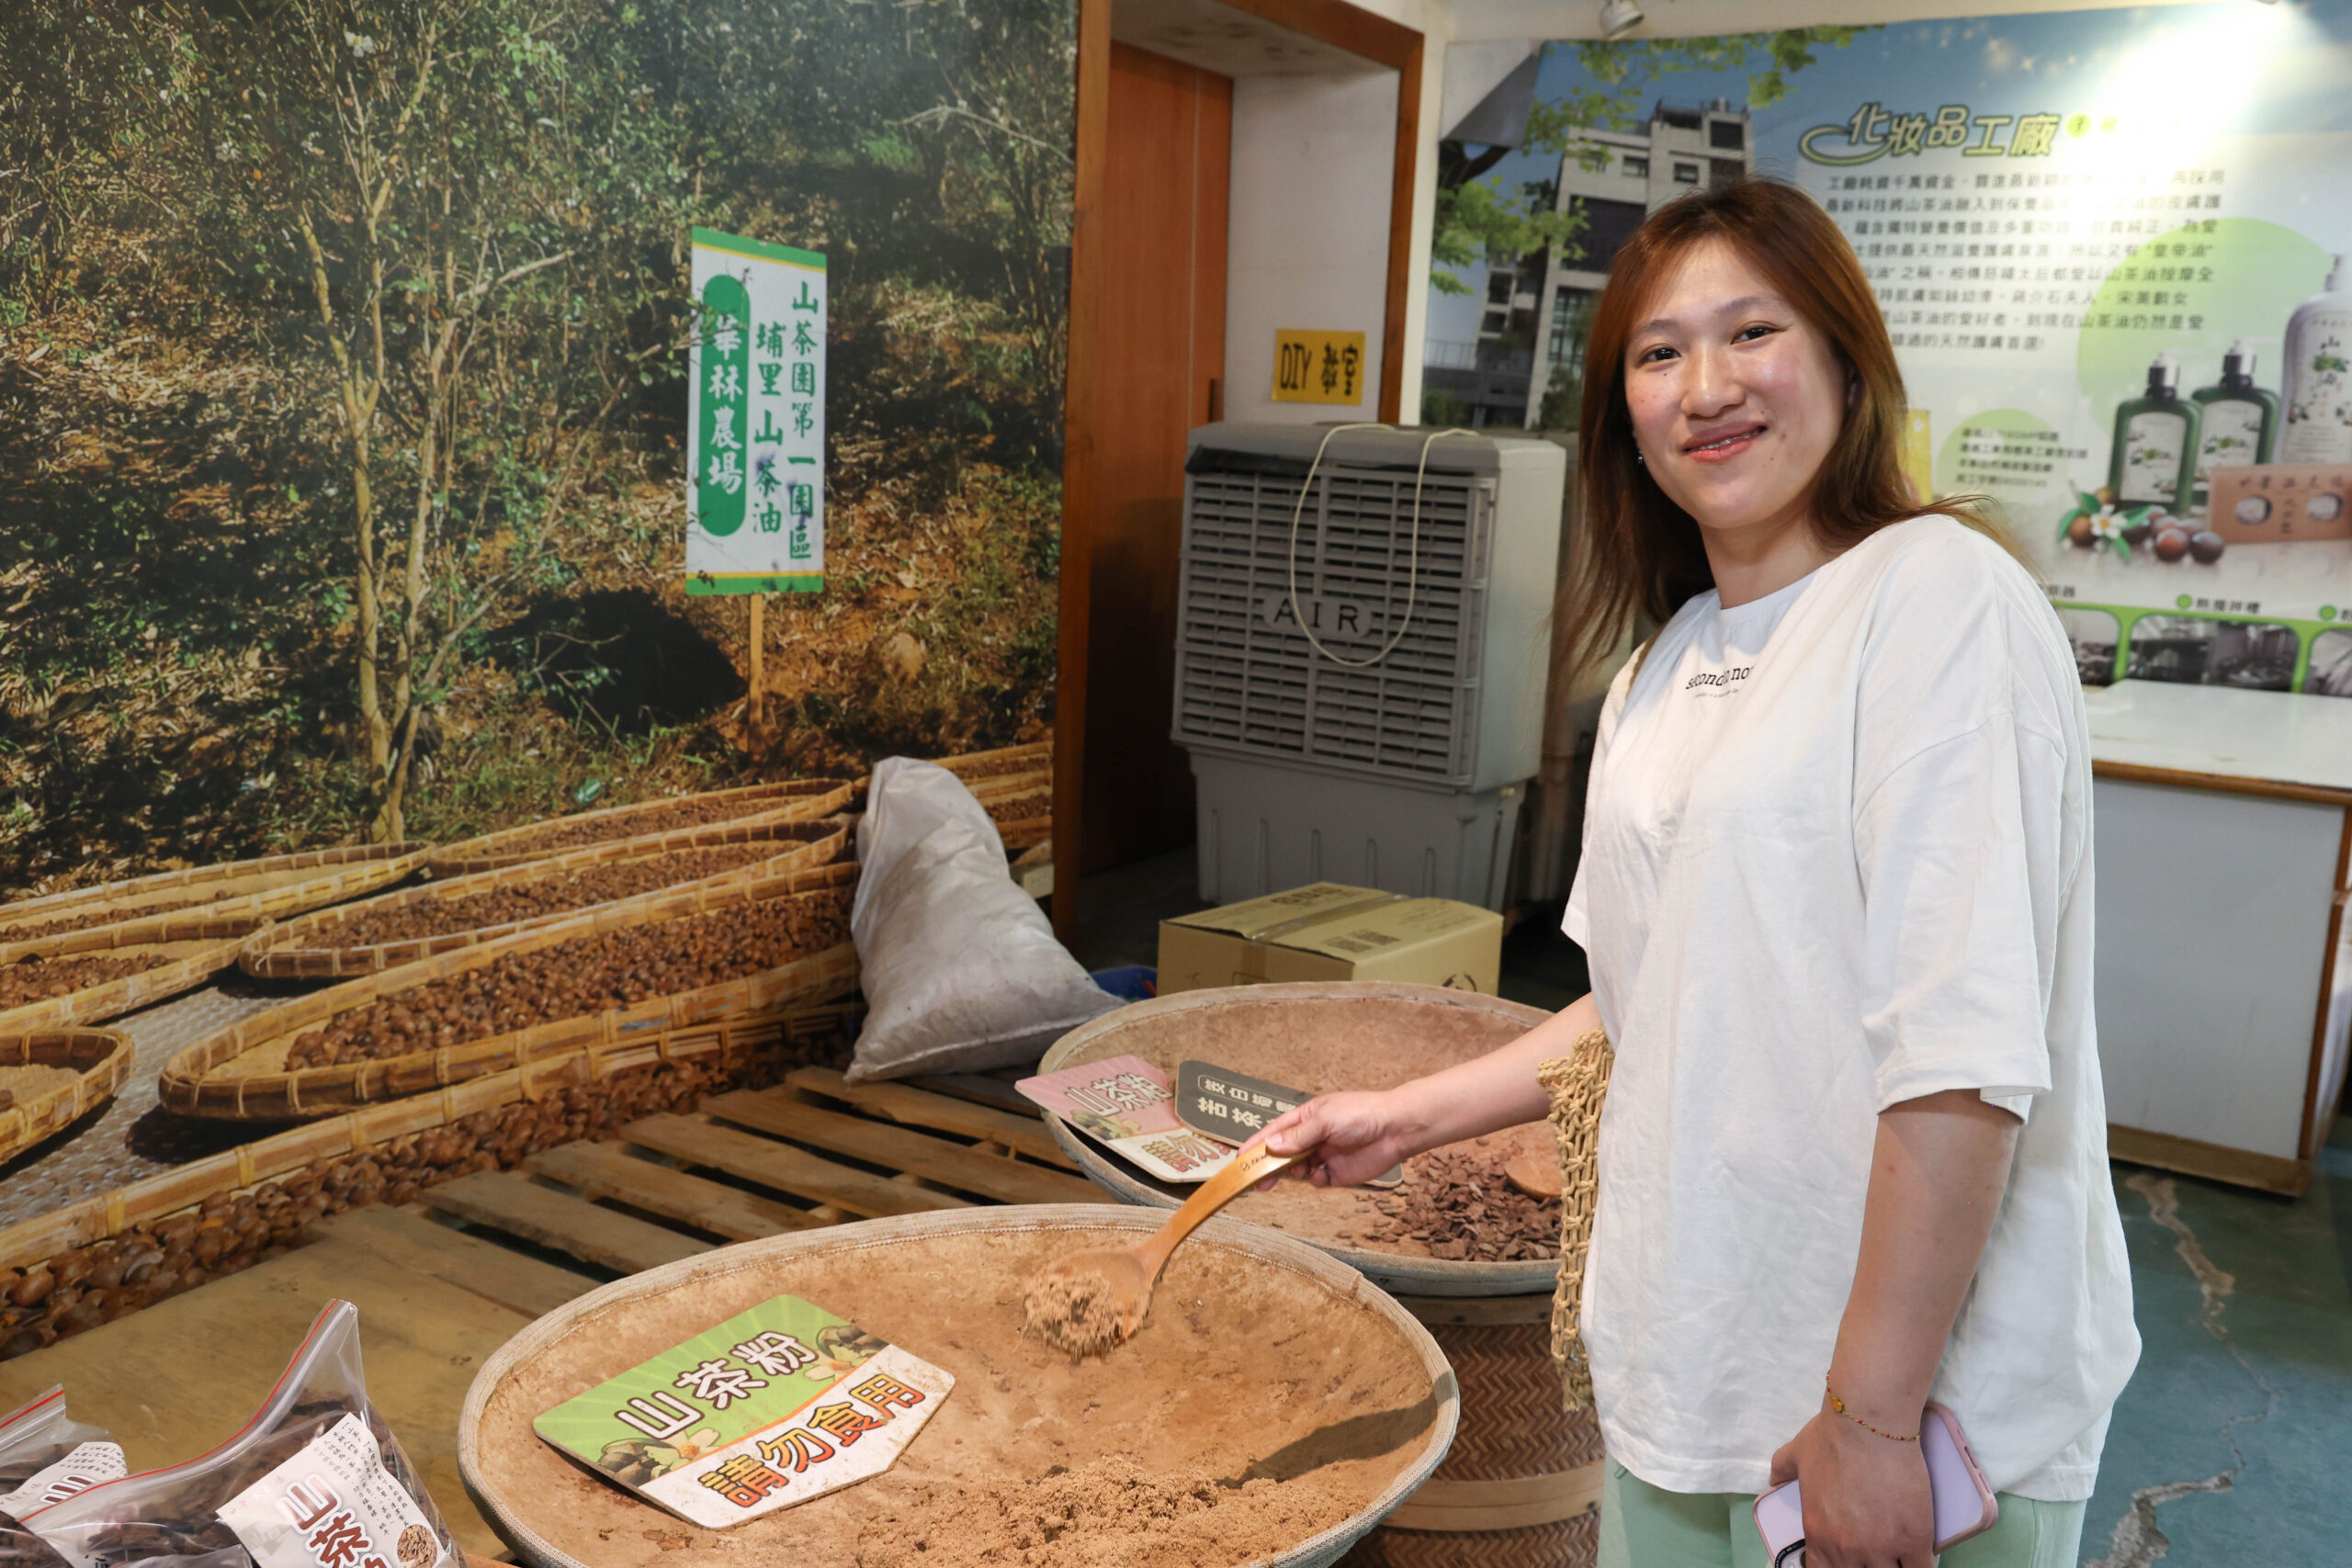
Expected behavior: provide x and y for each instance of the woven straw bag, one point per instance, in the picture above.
(1577, 1084)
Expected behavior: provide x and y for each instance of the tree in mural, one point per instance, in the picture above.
(421, 175)
(341, 346)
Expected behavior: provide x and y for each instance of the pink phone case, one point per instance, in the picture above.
(1964, 1506)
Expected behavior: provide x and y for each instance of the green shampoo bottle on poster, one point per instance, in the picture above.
(2237, 421)
(2154, 458)
(2318, 386)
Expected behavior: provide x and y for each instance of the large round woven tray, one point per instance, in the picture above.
(194, 946)
(99, 1059)
(1320, 1037)
(238, 1073)
(312, 948)
(1251, 1319)
(245, 889)
(800, 800)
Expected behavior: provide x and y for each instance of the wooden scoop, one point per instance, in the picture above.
(1134, 1271)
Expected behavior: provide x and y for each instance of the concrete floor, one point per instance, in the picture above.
(2228, 1448)
(2229, 1445)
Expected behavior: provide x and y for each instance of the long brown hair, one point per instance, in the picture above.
(1638, 552)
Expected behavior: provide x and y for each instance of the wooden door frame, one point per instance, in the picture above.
(1342, 26)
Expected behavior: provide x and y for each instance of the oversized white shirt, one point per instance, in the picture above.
(1836, 855)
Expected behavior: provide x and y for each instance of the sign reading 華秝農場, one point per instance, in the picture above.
(755, 419)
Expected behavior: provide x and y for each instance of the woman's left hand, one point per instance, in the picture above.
(1866, 1499)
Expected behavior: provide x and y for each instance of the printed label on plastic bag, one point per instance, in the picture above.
(333, 1504)
(83, 1467)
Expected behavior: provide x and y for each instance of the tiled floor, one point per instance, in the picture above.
(2229, 1447)
(131, 1136)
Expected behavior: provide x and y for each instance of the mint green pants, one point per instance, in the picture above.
(1644, 1526)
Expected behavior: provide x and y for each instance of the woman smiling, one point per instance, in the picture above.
(1836, 893)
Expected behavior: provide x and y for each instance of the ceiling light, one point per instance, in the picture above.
(1618, 17)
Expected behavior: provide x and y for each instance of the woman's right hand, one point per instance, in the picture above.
(1345, 1138)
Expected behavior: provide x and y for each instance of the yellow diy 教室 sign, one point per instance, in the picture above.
(1319, 367)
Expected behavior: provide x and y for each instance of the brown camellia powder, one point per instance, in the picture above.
(1103, 1513)
(1254, 1409)
(1074, 1313)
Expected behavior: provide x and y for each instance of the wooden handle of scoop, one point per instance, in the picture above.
(1249, 1168)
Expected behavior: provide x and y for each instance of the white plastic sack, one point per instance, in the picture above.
(960, 969)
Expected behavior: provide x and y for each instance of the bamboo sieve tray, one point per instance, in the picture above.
(245, 889)
(238, 1073)
(800, 800)
(308, 948)
(1319, 1036)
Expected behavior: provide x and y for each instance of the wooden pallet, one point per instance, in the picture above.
(814, 1151)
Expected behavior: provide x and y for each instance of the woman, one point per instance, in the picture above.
(1835, 894)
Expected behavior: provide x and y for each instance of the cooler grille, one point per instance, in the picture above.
(1247, 680)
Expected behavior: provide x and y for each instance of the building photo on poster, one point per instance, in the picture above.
(2110, 248)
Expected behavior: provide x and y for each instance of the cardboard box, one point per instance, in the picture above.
(1329, 931)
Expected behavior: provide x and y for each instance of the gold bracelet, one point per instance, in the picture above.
(1840, 1405)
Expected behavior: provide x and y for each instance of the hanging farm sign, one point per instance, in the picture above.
(755, 419)
(2108, 246)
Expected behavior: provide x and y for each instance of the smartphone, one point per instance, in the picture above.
(1964, 1506)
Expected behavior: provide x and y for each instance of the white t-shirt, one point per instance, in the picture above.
(1836, 855)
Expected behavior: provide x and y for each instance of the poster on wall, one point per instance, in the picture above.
(755, 387)
(2110, 246)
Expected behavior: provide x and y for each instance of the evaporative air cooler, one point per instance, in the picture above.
(1360, 677)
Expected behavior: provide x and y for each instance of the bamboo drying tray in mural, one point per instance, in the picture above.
(50, 1080)
(246, 889)
(1015, 784)
(115, 1252)
(714, 817)
(442, 917)
(251, 1070)
(88, 977)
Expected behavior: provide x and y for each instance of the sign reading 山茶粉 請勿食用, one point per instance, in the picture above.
(755, 419)
(779, 1403)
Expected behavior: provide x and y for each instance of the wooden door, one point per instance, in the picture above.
(1161, 353)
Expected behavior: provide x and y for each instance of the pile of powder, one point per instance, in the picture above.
(1106, 1513)
(1076, 1314)
(20, 1084)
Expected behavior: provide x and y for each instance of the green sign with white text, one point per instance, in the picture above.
(755, 491)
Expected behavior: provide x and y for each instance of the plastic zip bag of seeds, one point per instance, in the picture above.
(46, 1456)
(315, 1480)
